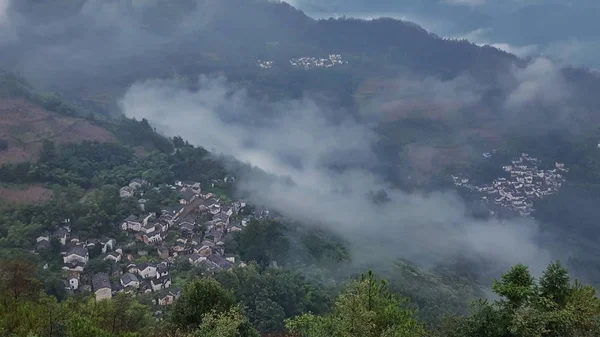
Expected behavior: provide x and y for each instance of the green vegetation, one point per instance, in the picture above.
(552, 306)
(366, 308)
(246, 300)
(200, 298)
(25, 310)
(93, 164)
(261, 241)
(269, 295)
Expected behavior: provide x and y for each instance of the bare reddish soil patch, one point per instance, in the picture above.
(26, 195)
(25, 126)
(83, 130)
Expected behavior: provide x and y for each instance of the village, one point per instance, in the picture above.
(194, 230)
(524, 183)
(313, 62)
(307, 62)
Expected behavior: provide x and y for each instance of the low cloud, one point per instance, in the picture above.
(306, 143)
(7, 32)
(481, 37)
(541, 81)
(89, 41)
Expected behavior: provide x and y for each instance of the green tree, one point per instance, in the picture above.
(555, 284)
(365, 309)
(516, 286)
(268, 295)
(551, 307)
(231, 323)
(178, 142)
(261, 241)
(48, 152)
(199, 298)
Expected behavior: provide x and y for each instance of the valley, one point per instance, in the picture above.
(239, 168)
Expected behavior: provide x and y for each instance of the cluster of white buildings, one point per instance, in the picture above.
(307, 62)
(526, 183)
(314, 62)
(265, 64)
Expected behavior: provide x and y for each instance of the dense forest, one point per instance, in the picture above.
(250, 300)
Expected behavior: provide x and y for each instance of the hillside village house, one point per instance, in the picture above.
(162, 270)
(132, 268)
(61, 234)
(146, 270)
(42, 243)
(126, 192)
(200, 247)
(187, 197)
(132, 223)
(137, 183)
(76, 254)
(73, 280)
(75, 266)
(114, 257)
(168, 298)
(160, 283)
(101, 287)
(107, 244)
(195, 259)
(129, 280)
(43, 237)
(152, 237)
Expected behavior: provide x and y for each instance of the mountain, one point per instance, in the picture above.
(93, 66)
(336, 146)
(557, 29)
(207, 36)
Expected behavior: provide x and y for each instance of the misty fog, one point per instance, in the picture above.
(426, 228)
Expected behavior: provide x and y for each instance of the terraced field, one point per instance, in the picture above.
(25, 126)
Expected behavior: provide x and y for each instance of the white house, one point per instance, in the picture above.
(196, 259)
(114, 257)
(152, 237)
(107, 244)
(101, 286)
(42, 238)
(146, 270)
(129, 280)
(74, 266)
(126, 192)
(162, 270)
(168, 299)
(76, 254)
(148, 228)
(131, 223)
(160, 283)
(187, 197)
(73, 283)
(73, 280)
